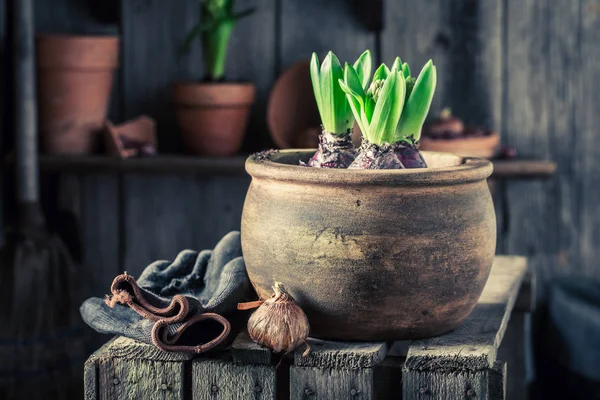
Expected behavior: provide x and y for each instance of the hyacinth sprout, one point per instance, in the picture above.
(390, 113)
(337, 118)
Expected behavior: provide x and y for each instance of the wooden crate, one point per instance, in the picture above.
(460, 365)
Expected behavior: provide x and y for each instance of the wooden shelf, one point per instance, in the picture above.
(155, 164)
(523, 169)
(503, 169)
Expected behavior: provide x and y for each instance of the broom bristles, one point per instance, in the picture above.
(37, 293)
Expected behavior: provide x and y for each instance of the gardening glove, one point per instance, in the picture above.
(176, 305)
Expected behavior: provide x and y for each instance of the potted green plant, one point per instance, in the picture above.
(74, 81)
(213, 114)
(374, 254)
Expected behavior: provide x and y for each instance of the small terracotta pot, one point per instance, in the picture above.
(75, 75)
(371, 254)
(213, 116)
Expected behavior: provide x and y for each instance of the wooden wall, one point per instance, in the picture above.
(529, 68)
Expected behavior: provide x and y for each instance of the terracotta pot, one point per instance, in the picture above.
(213, 116)
(477, 146)
(371, 255)
(75, 76)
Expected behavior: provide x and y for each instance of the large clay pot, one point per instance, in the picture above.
(213, 116)
(371, 255)
(75, 75)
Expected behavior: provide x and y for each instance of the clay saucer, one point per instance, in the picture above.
(468, 146)
(292, 113)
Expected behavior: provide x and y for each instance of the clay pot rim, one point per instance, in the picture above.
(68, 36)
(214, 84)
(470, 169)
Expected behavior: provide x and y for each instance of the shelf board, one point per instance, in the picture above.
(503, 169)
(523, 169)
(155, 164)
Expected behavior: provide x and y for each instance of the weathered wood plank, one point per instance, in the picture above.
(584, 178)
(532, 209)
(523, 169)
(343, 355)
(325, 383)
(169, 208)
(152, 32)
(458, 385)
(129, 349)
(183, 211)
(515, 352)
(140, 379)
(526, 299)
(315, 26)
(497, 382)
(245, 351)
(220, 379)
(464, 40)
(252, 57)
(160, 164)
(474, 345)
(90, 380)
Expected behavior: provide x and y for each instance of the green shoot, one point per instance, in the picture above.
(336, 114)
(217, 20)
(417, 104)
(394, 106)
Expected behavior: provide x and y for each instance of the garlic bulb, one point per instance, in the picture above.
(279, 323)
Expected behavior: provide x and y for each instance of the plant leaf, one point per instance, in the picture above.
(349, 91)
(356, 109)
(352, 79)
(406, 70)
(314, 77)
(382, 73)
(417, 105)
(388, 109)
(397, 64)
(326, 85)
(341, 113)
(363, 67)
(369, 108)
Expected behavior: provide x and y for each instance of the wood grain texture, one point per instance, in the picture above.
(464, 40)
(514, 351)
(246, 351)
(473, 346)
(129, 349)
(219, 379)
(585, 105)
(90, 380)
(152, 32)
(181, 212)
(139, 379)
(343, 355)
(324, 383)
(458, 385)
(335, 26)
(497, 382)
(252, 57)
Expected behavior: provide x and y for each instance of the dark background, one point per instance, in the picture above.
(528, 68)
